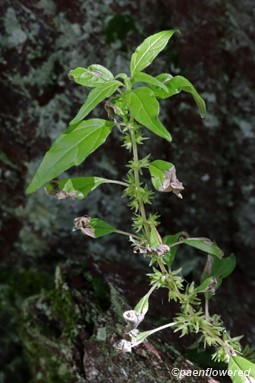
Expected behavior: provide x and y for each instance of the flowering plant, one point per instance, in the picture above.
(132, 106)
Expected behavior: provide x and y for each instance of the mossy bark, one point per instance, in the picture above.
(68, 333)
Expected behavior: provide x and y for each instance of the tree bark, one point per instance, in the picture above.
(69, 332)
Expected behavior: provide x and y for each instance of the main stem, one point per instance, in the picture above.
(137, 184)
(140, 202)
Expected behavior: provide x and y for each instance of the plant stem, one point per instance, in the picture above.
(141, 204)
(127, 234)
(151, 290)
(117, 182)
(176, 243)
(180, 242)
(160, 328)
(137, 184)
(207, 307)
(162, 266)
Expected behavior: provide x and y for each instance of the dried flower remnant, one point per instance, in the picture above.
(139, 245)
(212, 287)
(113, 111)
(123, 346)
(171, 183)
(159, 250)
(60, 193)
(83, 224)
(133, 320)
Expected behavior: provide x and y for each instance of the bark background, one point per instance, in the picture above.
(40, 42)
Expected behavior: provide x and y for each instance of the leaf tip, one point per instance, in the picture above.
(30, 189)
(203, 114)
(203, 109)
(169, 138)
(177, 30)
(73, 121)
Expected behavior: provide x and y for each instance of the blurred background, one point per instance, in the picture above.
(40, 42)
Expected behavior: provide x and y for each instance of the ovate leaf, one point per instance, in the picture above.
(145, 109)
(97, 95)
(100, 227)
(148, 50)
(70, 149)
(92, 76)
(74, 188)
(148, 79)
(157, 170)
(241, 370)
(175, 85)
(206, 245)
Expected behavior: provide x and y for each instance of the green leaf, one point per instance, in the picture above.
(222, 268)
(75, 188)
(164, 78)
(92, 76)
(145, 109)
(206, 245)
(170, 240)
(142, 336)
(240, 369)
(146, 52)
(70, 149)
(181, 83)
(175, 85)
(219, 269)
(157, 171)
(148, 79)
(97, 95)
(101, 227)
(143, 305)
